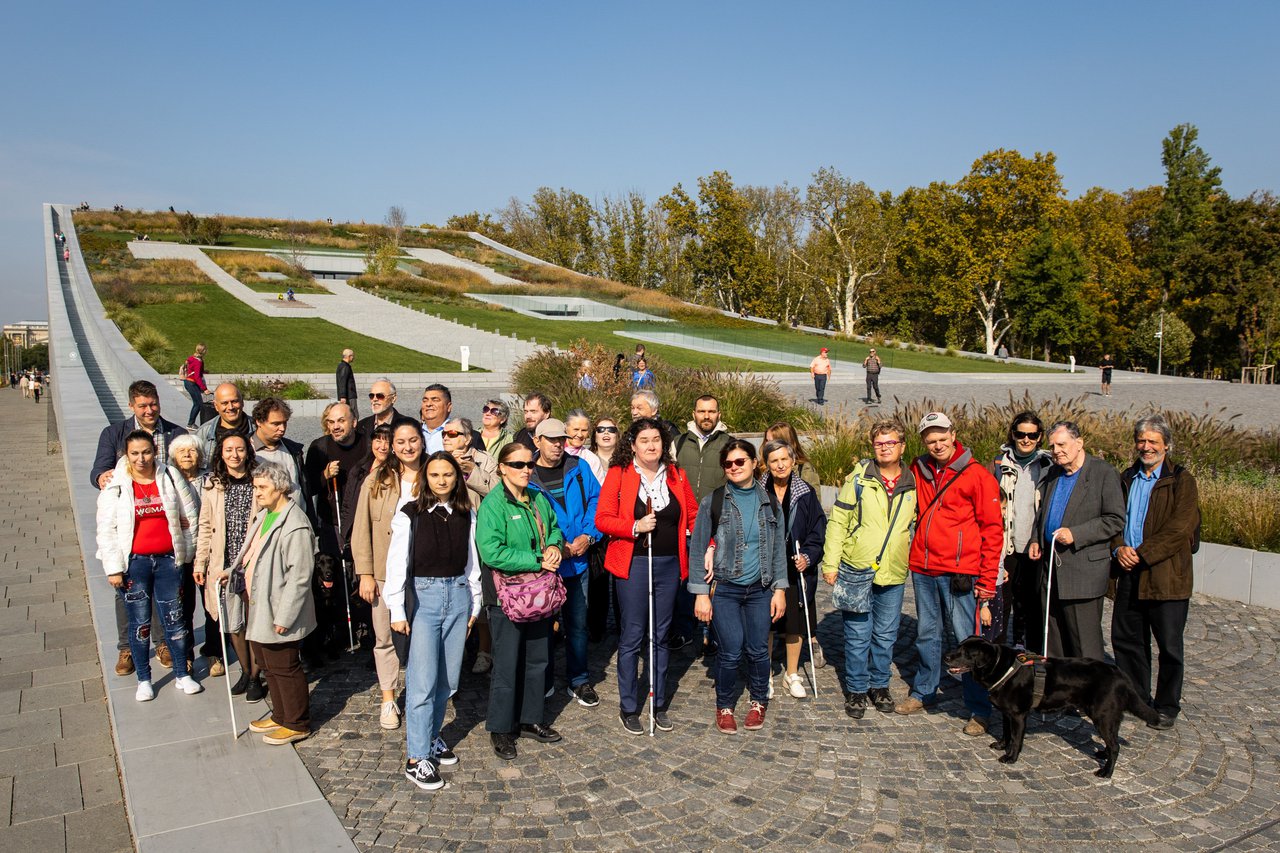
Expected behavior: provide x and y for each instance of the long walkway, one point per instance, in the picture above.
(59, 785)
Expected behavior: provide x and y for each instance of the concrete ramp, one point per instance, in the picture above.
(444, 259)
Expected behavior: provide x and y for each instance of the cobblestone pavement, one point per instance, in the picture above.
(813, 779)
(59, 788)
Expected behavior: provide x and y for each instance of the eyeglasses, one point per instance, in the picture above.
(730, 464)
(607, 429)
(490, 410)
(373, 396)
(1029, 436)
(519, 466)
(886, 444)
(452, 433)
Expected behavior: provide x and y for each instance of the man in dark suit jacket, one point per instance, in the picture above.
(144, 402)
(1081, 509)
(345, 380)
(382, 399)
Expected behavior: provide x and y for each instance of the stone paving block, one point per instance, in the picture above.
(78, 619)
(21, 644)
(45, 793)
(45, 836)
(93, 689)
(53, 696)
(85, 720)
(38, 755)
(29, 662)
(17, 628)
(18, 730)
(84, 653)
(50, 610)
(99, 830)
(10, 701)
(62, 638)
(6, 800)
(67, 673)
(15, 681)
(74, 750)
(99, 782)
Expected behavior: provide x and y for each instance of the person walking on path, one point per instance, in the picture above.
(1107, 365)
(647, 510)
(865, 560)
(873, 365)
(820, 370)
(516, 534)
(1151, 567)
(433, 550)
(36, 386)
(345, 382)
(743, 525)
(192, 376)
(955, 559)
(146, 523)
(1081, 509)
(275, 564)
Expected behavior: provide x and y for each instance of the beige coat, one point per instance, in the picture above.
(211, 537)
(281, 584)
(482, 478)
(371, 529)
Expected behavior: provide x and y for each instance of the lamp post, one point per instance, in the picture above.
(1160, 350)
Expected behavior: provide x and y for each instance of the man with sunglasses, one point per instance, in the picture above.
(382, 400)
(872, 364)
(1020, 469)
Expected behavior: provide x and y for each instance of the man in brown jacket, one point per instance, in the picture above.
(1151, 567)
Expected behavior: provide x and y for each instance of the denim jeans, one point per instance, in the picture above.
(158, 577)
(820, 386)
(633, 607)
(934, 604)
(573, 621)
(437, 634)
(877, 630)
(740, 615)
(197, 400)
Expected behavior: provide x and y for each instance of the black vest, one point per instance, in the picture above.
(438, 547)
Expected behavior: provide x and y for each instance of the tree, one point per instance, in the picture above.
(855, 232)
(188, 226)
(625, 235)
(1100, 226)
(210, 230)
(382, 258)
(775, 216)
(1044, 294)
(1186, 208)
(1178, 338)
(35, 356)
(479, 223)
(395, 221)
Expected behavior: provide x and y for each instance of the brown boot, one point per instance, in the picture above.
(124, 663)
(163, 656)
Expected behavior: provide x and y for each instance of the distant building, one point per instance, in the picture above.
(27, 333)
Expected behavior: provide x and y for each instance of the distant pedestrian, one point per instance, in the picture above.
(873, 366)
(585, 380)
(820, 370)
(25, 384)
(192, 376)
(642, 378)
(619, 363)
(1003, 353)
(36, 387)
(1106, 366)
(345, 381)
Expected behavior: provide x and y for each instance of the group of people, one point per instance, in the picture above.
(533, 537)
(31, 382)
(820, 369)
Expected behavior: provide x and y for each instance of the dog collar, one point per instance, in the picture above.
(1024, 659)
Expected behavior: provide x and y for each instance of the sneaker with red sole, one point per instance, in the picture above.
(725, 722)
(755, 717)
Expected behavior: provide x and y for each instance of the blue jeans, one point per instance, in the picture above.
(877, 630)
(740, 615)
(633, 607)
(154, 576)
(820, 386)
(197, 400)
(934, 603)
(437, 634)
(573, 622)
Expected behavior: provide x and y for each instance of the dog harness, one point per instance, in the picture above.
(1023, 659)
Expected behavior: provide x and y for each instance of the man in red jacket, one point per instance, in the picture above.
(955, 559)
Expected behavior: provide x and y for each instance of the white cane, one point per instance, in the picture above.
(652, 644)
(1048, 593)
(808, 630)
(222, 629)
(342, 564)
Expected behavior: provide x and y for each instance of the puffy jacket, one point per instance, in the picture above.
(1164, 570)
(861, 527)
(962, 532)
(616, 515)
(116, 517)
(507, 537)
(727, 556)
(577, 515)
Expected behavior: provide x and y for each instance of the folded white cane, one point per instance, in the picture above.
(222, 629)
(808, 630)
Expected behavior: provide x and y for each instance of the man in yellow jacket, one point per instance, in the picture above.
(865, 558)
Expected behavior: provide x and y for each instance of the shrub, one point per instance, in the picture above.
(295, 389)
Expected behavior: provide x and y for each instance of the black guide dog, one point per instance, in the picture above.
(1096, 688)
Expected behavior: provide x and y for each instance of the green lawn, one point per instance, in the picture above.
(241, 340)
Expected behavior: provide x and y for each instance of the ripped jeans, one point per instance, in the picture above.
(158, 576)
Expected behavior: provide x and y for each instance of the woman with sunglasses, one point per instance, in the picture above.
(647, 509)
(748, 580)
(1020, 469)
(516, 533)
(604, 441)
(383, 494)
(493, 427)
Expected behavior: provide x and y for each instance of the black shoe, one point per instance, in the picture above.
(709, 648)
(677, 641)
(1163, 723)
(585, 694)
(881, 698)
(424, 775)
(256, 691)
(631, 722)
(241, 685)
(661, 722)
(539, 732)
(855, 705)
(504, 745)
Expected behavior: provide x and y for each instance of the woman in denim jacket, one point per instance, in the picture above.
(748, 580)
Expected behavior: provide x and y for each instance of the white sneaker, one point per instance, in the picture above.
(189, 685)
(484, 662)
(145, 692)
(795, 685)
(390, 716)
(770, 686)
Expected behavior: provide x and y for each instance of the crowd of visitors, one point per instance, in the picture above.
(415, 532)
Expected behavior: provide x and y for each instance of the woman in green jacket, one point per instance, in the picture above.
(865, 558)
(516, 533)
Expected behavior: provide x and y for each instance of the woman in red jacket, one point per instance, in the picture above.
(646, 508)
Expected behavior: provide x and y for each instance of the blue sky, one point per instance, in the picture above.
(340, 110)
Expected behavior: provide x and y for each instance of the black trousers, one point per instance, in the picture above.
(518, 682)
(873, 384)
(1133, 623)
(1075, 628)
(1022, 609)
